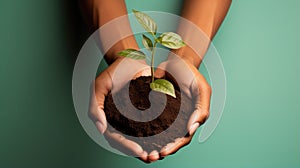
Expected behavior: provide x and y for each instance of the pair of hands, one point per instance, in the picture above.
(190, 81)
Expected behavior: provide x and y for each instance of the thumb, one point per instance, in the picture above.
(96, 112)
(201, 92)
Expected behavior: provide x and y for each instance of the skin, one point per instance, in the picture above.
(207, 15)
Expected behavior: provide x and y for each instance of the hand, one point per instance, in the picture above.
(125, 69)
(194, 85)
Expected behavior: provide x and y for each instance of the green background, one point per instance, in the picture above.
(259, 46)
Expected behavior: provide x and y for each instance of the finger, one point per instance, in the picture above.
(153, 156)
(145, 72)
(202, 93)
(193, 128)
(179, 73)
(126, 146)
(159, 73)
(160, 70)
(173, 147)
(103, 85)
(144, 157)
(96, 114)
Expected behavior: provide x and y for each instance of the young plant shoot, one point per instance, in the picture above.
(168, 39)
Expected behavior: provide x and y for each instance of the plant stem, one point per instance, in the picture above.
(152, 60)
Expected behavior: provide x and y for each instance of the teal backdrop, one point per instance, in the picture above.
(259, 46)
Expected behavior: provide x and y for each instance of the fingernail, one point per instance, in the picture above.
(100, 127)
(193, 128)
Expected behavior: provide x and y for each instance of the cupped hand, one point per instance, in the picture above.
(195, 86)
(127, 69)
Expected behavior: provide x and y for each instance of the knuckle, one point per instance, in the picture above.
(92, 116)
(205, 115)
(207, 87)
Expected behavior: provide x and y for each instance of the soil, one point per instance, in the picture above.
(156, 123)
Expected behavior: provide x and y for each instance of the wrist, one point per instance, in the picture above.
(188, 55)
(126, 43)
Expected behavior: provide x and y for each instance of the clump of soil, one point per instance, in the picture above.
(169, 123)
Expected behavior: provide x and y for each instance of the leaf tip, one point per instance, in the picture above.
(183, 43)
(173, 95)
(120, 53)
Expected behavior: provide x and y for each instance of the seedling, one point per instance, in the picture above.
(168, 39)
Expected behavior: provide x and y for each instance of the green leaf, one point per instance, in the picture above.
(146, 21)
(164, 86)
(171, 40)
(147, 43)
(132, 53)
(158, 40)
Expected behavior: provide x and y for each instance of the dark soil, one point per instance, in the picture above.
(150, 126)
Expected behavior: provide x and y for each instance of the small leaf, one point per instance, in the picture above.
(146, 21)
(132, 53)
(164, 86)
(171, 40)
(147, 43)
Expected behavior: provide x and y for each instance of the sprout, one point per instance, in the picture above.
(168, 39)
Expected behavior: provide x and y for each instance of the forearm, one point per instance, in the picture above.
(100, 12)
(206, 15)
